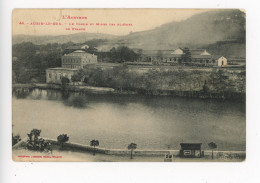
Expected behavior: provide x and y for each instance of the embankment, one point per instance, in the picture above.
(221, 155)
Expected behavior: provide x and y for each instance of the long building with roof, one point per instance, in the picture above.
(175, 56)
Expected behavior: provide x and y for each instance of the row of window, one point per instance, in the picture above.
(60, 75)
(71, 60)
(177, 59)
(72, 66)
(77, 61)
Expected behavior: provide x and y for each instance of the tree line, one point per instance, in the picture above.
(123, 78)
(30, 61)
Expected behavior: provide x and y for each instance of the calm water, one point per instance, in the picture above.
(150, 122)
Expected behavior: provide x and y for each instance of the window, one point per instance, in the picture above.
(187, 152)
(49, 75)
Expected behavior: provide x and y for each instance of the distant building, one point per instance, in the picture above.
(54, 75)
(77, 47)
(77, 59)
(168, 56)
(70, 64)
(222, 61)
(191, 150)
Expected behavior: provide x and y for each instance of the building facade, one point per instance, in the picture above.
(54, 75)
(70, 64)
(222, 61)
(77, 59)
(167, 56)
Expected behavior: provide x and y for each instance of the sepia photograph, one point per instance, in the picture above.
(128, 85)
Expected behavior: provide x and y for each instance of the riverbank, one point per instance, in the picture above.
(79, 152)
(22, 90)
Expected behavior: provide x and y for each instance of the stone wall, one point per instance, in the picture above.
(54, 75)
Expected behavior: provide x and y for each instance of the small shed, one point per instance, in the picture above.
(222, 61)
(191, 150)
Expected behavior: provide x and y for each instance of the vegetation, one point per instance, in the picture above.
(37, 144)
(212, 146)
(64, 82)
(123, 54)
(94, 143)
(30, 61)
(131, 147)
(186, 56)
(15, 139)
(214, 83)
(62, 139)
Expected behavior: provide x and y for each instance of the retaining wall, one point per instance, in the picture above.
(125, 152)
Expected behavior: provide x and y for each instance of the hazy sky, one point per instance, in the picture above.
(141, 19)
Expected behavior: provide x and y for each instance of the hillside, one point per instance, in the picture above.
(220, 29)
(76, 38)
(222, 32)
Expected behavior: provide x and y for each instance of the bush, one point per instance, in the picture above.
(15, 139)
(37, 144)
(62, 139)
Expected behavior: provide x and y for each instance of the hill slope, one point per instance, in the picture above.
(219, 31)
(199, 31)
(76, 38)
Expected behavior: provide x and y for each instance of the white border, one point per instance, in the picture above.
(247, 171)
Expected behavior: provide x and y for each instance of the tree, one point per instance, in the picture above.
(34, 134)
(15, 139)
(94, 143)
(113, 54)
(159, 56)
(219, 81)
(181, 74)
(212, 146)
(91, 50)
(77, 77)
(122, 54)
(62, 139)
(242, 77)
(132, 147)
(64, 83)
(37, 144)
(186, 56)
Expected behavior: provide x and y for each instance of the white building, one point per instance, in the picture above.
(222, 61)
(71, 63)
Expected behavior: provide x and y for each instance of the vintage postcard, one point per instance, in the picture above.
(129, 85)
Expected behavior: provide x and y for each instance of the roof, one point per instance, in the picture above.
(78, 53)
(77, 47)
(156, 52)
(177, 52)
(205, 53)
(201, 56)
(222, 57)
(62, 69)
(190, 145)
(195, 53)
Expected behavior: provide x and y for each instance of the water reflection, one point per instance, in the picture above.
(153, 122)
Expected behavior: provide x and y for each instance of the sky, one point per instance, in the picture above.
(115, 21)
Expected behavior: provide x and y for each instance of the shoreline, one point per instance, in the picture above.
(122, 154)
(23, 88)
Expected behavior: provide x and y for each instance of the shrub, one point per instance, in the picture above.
(37, 144)
(62, 139)
(15, 139)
